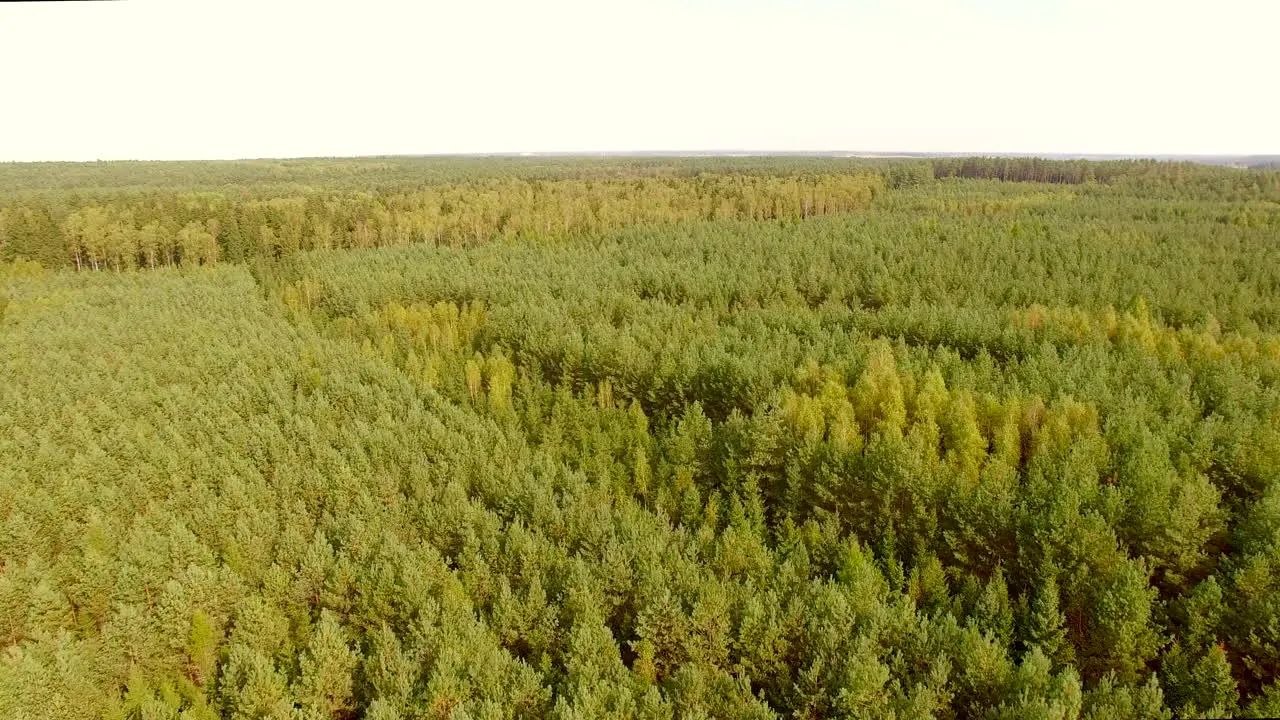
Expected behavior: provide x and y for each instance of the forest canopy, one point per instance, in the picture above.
(639, 438)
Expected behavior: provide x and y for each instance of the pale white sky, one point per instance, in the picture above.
(170, 79)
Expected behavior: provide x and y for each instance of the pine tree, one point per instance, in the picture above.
(324, 688)
(993, 612)
(1046, 623)
(1200, 683)
(252, 688)
(390, 670)
(1112, 699)
(202, 648)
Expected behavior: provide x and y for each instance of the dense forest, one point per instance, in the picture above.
(428, 438)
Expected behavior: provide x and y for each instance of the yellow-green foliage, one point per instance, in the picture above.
(878, 396)
(800, 438)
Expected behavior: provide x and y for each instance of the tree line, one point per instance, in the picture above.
(199, 229)
(118, 216)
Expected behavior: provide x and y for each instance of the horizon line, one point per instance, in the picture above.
(722, 153)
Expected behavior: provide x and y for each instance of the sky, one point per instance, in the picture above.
(189, 79)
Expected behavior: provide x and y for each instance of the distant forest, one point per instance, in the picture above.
(651, 438)
(127, 215)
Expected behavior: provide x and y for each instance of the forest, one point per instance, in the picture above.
(651, 438)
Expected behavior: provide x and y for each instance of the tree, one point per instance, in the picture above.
(1111, 699)
(324, 689)
(1045, 622)
(252, 688)
(993, 612)
(1200, 683)
(196, 245)
(202, 648)
(878, 397)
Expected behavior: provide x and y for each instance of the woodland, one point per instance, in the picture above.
(651, 438)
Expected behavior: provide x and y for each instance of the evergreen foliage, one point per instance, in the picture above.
(639, 439)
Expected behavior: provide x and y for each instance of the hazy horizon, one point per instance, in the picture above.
(712, 153)
(148, 80)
